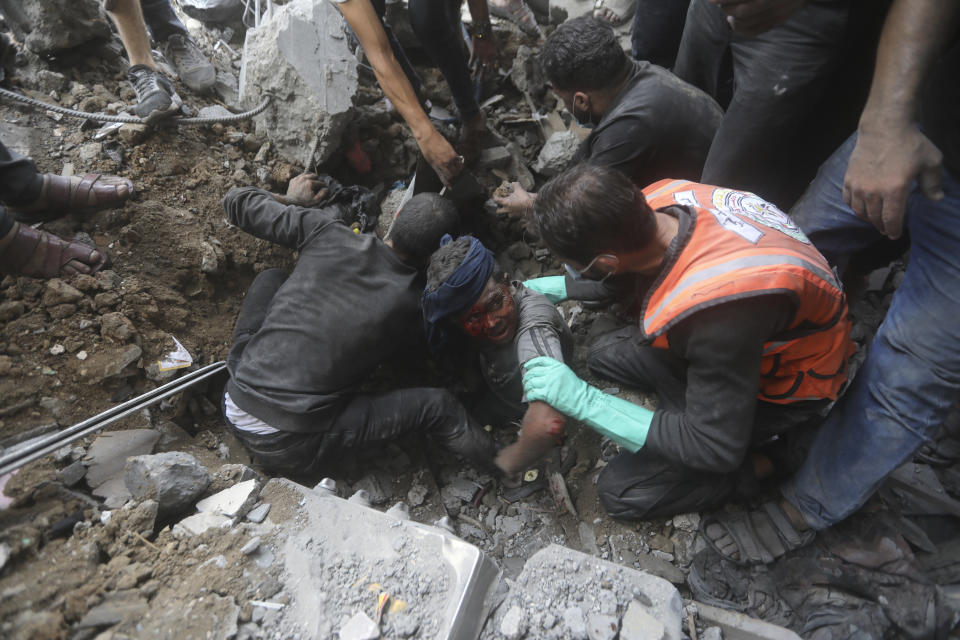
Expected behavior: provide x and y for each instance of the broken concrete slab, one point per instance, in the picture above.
(557, 153)
(333, 549)
(576, 587)
(109, 452)
(200, 522)
(174, 479)
(300, 59)
(495, 158)
(602, 627)
(737, 626)
(54, 25)
(109, 362)
(116, 608)
(640, 625)
(259, 513)
(232, 502)
(360, 627)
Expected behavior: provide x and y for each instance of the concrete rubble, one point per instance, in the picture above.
(54, 25)
(300, 59)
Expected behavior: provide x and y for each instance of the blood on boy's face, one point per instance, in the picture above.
(493, 317)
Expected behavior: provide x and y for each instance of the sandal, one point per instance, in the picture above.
(39, 254)
(517, 12)
(614, 12)
(60, 195)
(759, 536)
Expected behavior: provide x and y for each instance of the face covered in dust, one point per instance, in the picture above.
(494, 317)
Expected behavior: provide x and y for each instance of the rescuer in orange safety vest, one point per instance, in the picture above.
(742, 333)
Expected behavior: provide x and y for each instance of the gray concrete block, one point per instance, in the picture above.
(300, 58)
(557, 153)
(235, 501)
(109, 452)
(174, 479)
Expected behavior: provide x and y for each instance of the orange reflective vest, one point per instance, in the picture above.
(739, 246)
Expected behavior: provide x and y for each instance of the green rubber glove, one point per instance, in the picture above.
(553, 287)
(553, 382)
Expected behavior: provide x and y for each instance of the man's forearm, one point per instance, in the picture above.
(914, 34)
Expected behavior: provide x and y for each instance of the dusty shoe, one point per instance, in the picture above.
(156, 98)
(193, 68)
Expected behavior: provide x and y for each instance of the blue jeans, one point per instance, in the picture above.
(911, 376)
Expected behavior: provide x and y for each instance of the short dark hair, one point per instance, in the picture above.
(582, 54)
(445, 261)
(422, 221)
(589, 209)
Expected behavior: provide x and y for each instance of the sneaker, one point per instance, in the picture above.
(193, 68)
(156, 98)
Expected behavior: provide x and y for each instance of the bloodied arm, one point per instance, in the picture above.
(541, 332)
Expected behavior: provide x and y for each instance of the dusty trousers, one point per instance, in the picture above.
(365, 419)
(645, 484)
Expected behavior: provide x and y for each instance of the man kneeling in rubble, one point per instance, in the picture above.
(468, 297)
(305, 341)
(743, 333)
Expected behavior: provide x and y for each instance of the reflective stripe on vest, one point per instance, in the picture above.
(739, 246)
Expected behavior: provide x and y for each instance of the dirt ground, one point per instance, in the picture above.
(72, 348)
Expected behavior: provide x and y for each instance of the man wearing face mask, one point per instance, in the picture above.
(743, 334)
(646, 122)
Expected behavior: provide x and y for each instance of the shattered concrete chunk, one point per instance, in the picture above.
(109, 452)
(640, 625)
(300, 58)
(259, 513)
(174, 479)
(200, 522)
(557, 153)
(495, 158)
(109, 363)
(513, 624)
(360, 627)
(575, 623)
(712, 633)
(54, 25)
(231, 502)
(59, 292)
(738, 625)
(602, 627)
(72, 473)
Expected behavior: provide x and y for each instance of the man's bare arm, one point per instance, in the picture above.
(366, 25)
(891, 152)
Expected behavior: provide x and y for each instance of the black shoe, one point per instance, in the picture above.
(193, 68)
(156, 98)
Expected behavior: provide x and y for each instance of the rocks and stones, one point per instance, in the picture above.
(72, 473)
(109, 362)
(300, 58)
(259, 513)
(133, 134)
(575, 622)
(59, 292)
(116, 608)
(252, 545)
(54, 25)
(638, 624)
(689, 522)
(495, 158)
(117, 328)
(417, 494)
(109, 452)
(199, 523)
(360, 627)
(231, 502)
(712, 633)
(738, 625)
(174, 479)
(526, 73)
(513, 624)
(371, 484)
(602, 627)
(557, 153)
(11, 310)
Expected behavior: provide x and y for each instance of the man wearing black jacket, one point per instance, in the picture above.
(305, 342)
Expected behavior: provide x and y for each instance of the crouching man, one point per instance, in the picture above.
(469, 298)
(743, 332)
(305, 342)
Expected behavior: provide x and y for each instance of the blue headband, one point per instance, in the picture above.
(458, 292)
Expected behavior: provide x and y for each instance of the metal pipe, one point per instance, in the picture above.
(43, 446)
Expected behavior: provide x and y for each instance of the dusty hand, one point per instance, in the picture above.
(753, 17)
(517, 203)
(882, 168)
(485, 52)
(442, 157)
(305, 190)
(542, 421)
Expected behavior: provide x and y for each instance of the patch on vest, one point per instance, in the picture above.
(728, 205)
